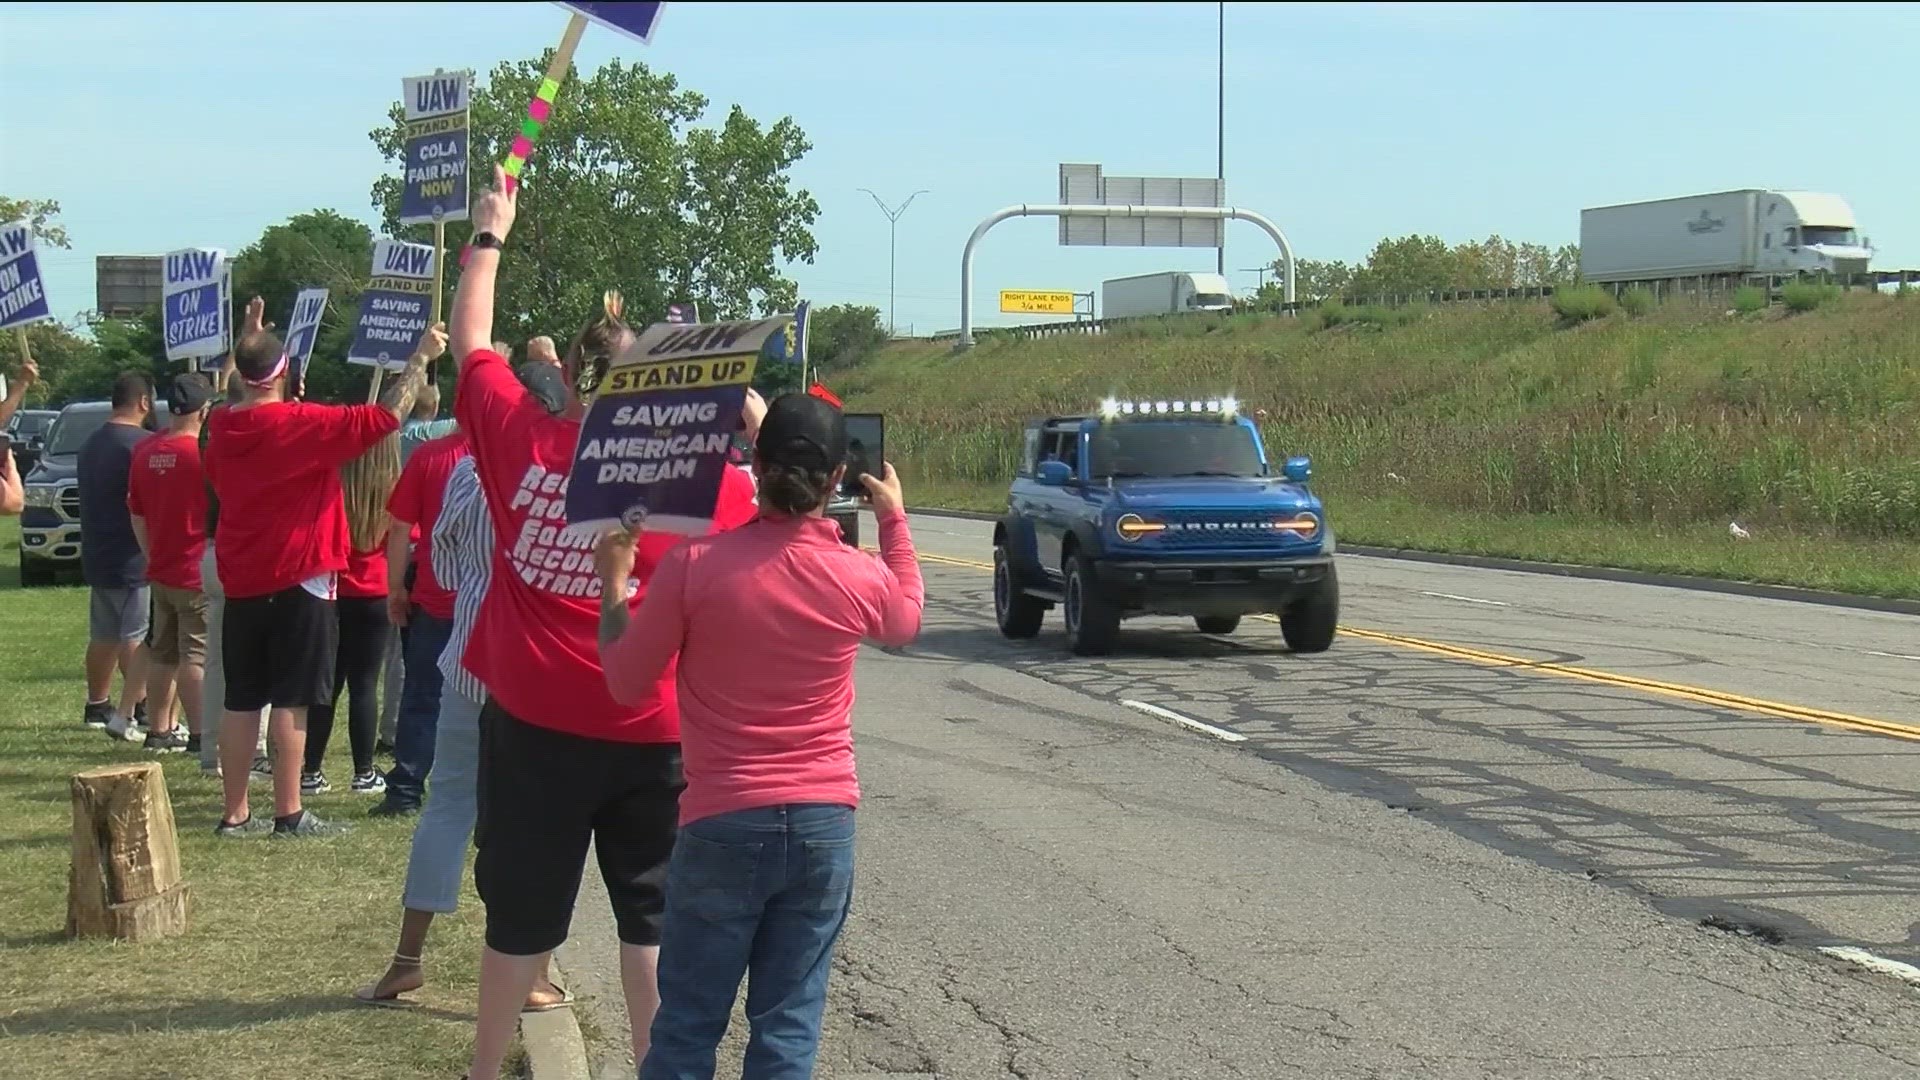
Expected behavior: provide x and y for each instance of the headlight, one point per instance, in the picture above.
(1132, 527)
(43, 496)
(1304, 526)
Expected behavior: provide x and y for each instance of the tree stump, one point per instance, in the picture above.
(125, 880)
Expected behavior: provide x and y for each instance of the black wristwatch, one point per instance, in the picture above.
(487, 240)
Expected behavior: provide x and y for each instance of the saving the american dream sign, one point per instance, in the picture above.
(653, 447)
(396, 306)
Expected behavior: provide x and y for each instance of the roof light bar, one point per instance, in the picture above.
(1224, 406)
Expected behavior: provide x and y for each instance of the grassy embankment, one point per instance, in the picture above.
(280, 932)
(1630, 440)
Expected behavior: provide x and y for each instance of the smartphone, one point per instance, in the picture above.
(866, 450)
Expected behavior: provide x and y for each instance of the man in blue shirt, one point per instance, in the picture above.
(110, 556)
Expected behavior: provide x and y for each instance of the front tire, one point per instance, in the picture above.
(1093, 620)
(1310, 622)
(1019, 615)
(1217, 624)
(35, 573)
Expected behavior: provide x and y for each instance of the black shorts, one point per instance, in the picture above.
(543, 795)
(278, 650)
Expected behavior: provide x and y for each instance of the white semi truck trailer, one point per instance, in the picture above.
(1750, 231)
(1165, 293)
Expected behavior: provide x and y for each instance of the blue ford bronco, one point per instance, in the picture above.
(1161, 508)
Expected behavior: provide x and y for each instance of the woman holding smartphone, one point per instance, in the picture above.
(762, 872)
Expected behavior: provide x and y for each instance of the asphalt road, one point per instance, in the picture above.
(1541, 856)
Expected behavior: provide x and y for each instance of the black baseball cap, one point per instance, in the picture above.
(546, 383)
(804, 431)
(188, 393)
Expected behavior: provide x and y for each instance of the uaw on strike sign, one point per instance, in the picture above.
(653, 448)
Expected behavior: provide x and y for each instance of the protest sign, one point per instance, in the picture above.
(23, 295)
(193, 303)
(302, 330)
(395, 309)
(435, 138)
(653, 447)
(636, 20)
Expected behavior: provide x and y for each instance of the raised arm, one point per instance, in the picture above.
(397, 396)
(634, 653)
(493, 213)
(903, 594)
(17, 393)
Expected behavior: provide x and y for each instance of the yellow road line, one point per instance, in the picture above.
(1676, 691)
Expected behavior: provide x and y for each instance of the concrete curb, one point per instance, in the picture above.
(556, 1050)
(1690, 582)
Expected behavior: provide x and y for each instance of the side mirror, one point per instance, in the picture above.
(1298, 469)
(1055, 473)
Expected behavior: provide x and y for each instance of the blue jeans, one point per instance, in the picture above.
(761, 893)
(422, 641)
(439, 855)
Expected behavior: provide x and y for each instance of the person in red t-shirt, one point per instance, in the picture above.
(424, 615)
(280, 545)
(361, 611)
(562, 763)
(167, 497)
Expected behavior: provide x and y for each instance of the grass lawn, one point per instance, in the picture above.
(280, 932)
(1772, 556)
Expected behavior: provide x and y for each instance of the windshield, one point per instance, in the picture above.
(73, 428)
(1212, 299)
(1828, 234)
(1172, 448)
(31, 425)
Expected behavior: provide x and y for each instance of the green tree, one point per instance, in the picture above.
(39, 212)
(65, 359)
(844, 335)
(318, 249)
(623, 192)
(1417, 265)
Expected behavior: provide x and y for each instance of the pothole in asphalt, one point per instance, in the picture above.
(1744, 928)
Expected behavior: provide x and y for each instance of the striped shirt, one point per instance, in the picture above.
(463, 563)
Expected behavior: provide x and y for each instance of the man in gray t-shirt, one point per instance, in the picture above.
(110, 556)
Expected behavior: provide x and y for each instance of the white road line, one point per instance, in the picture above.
(1185, 721)
(1878, 964)
(1890, 655)
(1464, 599)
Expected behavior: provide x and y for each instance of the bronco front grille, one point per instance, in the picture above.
(1191, 529)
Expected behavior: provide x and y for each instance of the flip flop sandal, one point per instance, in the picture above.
(565, 1002)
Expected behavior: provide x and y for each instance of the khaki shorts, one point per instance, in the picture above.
(179, 626)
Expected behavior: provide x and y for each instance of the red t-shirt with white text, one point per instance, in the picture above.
(416, 500)
(536, 643)
(167, 490)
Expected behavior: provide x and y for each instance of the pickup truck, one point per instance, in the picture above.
(50, 524)
(1161, 508)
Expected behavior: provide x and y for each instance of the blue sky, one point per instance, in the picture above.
(160, 126)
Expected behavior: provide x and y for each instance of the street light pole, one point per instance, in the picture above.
(893, 219)
(1220, 253)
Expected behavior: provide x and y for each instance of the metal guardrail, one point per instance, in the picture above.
(1662, 288)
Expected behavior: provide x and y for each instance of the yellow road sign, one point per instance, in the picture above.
(1036, 302)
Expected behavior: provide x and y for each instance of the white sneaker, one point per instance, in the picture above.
(119, 727)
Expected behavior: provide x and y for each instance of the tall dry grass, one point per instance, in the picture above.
(1681, 415)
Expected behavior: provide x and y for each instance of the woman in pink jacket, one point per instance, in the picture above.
(767, 621)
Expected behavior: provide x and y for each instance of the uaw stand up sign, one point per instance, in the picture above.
(653, 448)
